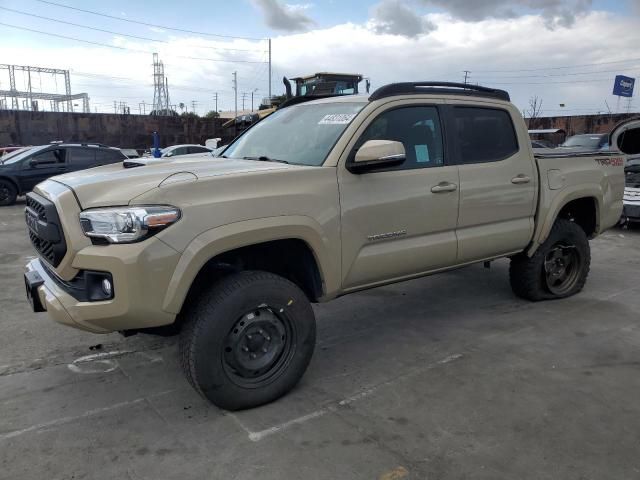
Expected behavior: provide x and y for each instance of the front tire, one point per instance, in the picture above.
(558, 269)
(248, 340)
(8, 193)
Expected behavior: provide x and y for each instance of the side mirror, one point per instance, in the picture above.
(377, 154)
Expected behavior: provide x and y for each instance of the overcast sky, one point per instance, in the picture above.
(563, 51)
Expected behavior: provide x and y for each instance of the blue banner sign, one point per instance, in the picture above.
(623, 86)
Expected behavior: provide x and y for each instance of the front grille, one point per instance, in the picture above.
(45, 231)
(37, 207)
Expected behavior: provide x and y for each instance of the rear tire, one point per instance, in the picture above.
(559, 267)
(247, 340)
(8, 193)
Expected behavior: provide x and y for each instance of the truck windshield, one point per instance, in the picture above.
(300, 134)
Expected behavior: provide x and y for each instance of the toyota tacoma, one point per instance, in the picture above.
(318, 200)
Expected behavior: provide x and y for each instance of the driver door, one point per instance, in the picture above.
(41, 166)
(399, 222)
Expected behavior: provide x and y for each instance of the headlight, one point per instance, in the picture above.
(127, 224)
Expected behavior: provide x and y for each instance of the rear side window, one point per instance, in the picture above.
(109, 156)
(197, 150)
(484, 134)
(81, 157)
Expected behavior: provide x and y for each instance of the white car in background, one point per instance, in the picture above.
(187, 149)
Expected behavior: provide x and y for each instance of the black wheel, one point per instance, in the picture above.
(248, 340)
(558, 269)
(8, 193)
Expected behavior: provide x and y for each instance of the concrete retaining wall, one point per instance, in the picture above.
(125, 131)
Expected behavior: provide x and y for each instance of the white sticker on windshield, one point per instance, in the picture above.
(337, 119)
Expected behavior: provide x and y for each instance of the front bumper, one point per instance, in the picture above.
(141, 273)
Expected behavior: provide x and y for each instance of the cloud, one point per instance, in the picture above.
(483, 47)
(556, 13)
(396, 18)
(284, 17)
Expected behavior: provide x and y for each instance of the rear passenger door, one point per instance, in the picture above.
(498, 181)
(399, 221)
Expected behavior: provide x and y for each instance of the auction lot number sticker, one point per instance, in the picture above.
(336, 119)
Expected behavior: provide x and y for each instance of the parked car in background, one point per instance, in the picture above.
(176, 150)
(631, 205)
(22, 171)
(587, 142)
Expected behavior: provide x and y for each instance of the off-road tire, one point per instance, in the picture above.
(8, 193)
(214, 316)
(528, 275)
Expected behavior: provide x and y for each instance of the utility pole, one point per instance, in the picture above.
(215, 97)
(252, 92)
(269, 72)
(235, 92)
(244, 97)
(193, 106)
(466, 76)
(115, 107)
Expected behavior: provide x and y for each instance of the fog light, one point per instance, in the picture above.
(106, 287)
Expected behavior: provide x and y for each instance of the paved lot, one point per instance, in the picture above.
(447, 377)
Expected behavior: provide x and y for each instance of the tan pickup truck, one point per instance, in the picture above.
(318, 200)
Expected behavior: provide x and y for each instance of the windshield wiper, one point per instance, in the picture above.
(263, 158)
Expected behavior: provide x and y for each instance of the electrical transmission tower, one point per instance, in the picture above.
(30, 98)
(160, 88)
(244, 98)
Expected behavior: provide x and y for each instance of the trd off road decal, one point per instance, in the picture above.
(611, 162)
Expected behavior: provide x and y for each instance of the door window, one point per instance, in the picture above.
(198, 150)
(104, 157)
(49, 158)
(484, 134)
(80, 158)
(417, 128)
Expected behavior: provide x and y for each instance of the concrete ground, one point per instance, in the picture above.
(448, 377)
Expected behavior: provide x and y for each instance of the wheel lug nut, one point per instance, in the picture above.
(249, 337)
(253, 355)
(268, 338)
(260, 331)
(245, 349)
(264, 350)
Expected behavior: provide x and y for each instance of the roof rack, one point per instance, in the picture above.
(446, 88)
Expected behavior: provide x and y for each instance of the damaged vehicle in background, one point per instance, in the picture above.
(626, 137)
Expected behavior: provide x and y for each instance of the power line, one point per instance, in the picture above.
(122, 34)
(562, 74)
(144, 23)
(123, 48)
(556, 68)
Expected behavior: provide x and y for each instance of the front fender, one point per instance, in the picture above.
(228, 237)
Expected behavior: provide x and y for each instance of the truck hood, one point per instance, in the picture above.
(116, 185)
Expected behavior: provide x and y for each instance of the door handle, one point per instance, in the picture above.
(444, 187)
(520, 179)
